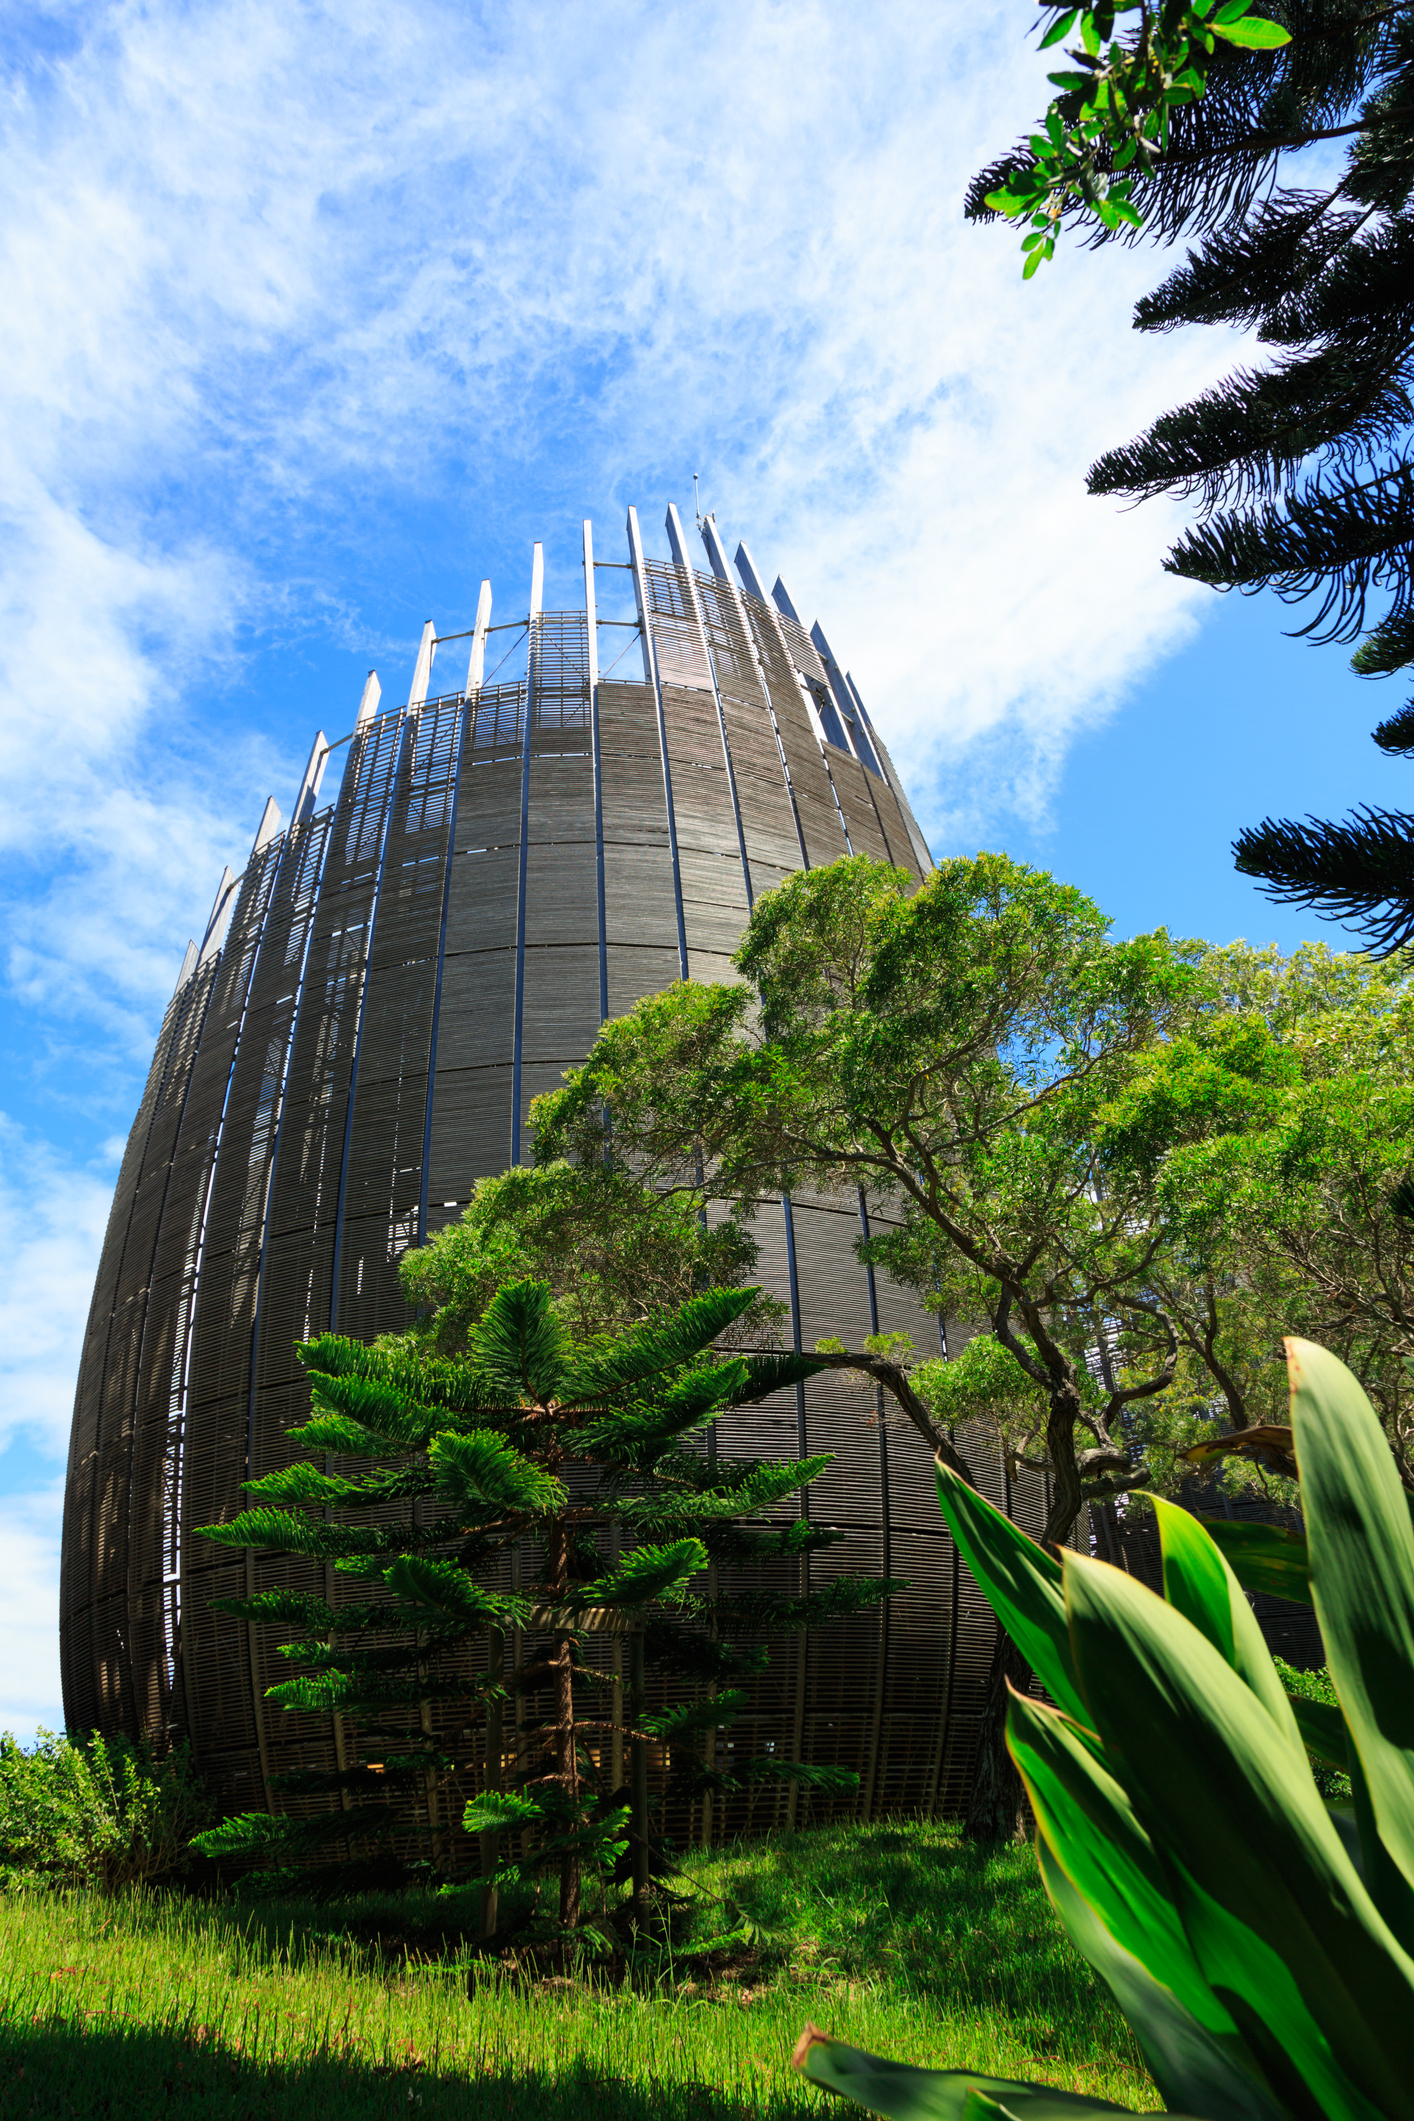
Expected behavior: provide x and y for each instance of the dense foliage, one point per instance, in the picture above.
(1301, 464)
(582, 1476)
(612, 1252)
(1258, 1941)
(1113, 122)
(104, 1812)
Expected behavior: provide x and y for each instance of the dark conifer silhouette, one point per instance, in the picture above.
(1301, 466)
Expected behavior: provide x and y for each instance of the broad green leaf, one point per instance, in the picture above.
(1322, 1729)
(1194, 2071)
(1265, 1558)
(1022, 1583)
(1222, 1790)
(1293, 2053)
(1384, 1881)
(1199, 1584)
(1362, 1579)
(903, 2093)
(1086, 1816)
(1254, 34)
(1059, 29)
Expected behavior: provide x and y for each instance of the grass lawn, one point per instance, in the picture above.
(895, 1937)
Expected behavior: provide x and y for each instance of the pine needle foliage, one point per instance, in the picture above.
(591, 1462)
(1300, 465)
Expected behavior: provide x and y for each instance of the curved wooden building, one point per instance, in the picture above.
(398, 971)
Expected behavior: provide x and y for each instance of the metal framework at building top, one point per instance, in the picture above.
(355, 1042)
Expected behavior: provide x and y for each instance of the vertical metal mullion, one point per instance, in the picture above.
(651, 674)
(340, 1199)
(675, 538)
(876, 1718)
(591, 612)
(802, 1665)
(532, 657)
(468, 718)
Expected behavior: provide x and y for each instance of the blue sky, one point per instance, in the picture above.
(315, 315)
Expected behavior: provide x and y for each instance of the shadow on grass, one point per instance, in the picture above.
(51, 2070)
(958, 1924)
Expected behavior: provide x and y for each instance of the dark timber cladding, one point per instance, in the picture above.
(357, 1041)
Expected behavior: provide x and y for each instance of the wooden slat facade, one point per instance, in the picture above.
(332, 1085)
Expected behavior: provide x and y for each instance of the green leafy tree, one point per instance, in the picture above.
(613, 1251)
(587, 1458)
(102, 1812)
(949, 1052)
(1301, 465)
(1113, 122)
(1274, 1134)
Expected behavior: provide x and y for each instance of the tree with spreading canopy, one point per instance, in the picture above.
(948, 1050)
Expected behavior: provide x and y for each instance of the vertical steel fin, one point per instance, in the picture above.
(532, 660)
(476, 662)
(368, 702)
(591, 619)
(422, 669)
(650, 672)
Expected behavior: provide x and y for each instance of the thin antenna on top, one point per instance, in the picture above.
(696, 500)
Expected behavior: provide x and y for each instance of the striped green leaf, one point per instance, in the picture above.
(1213, 1778)
(1021, 1582)
(1362, 1579)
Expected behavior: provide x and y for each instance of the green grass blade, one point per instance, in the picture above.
(1194, 2071)
(1362, 1579)
(1220, 1788)
(1265, 1558)
(1021, 1582)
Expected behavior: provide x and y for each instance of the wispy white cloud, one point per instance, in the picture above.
(30, 1696)
(270, 270)
(52, 1218)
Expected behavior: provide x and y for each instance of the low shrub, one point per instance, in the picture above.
(102, 1812)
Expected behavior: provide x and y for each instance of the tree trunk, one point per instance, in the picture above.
(994, 1807)
(566, 1754)
(495, 1749)
(638, 1780)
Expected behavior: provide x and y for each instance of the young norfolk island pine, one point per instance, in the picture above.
(581, 1458)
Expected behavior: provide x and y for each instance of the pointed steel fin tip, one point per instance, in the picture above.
(716, 550)
(673, 525)
(422, 669)
(368, 704)
(308, 792)
(751, 579)
(268, 827)
(476, 662)
(220, 920)
(781, 598)
(537, 579)
(189, 963)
